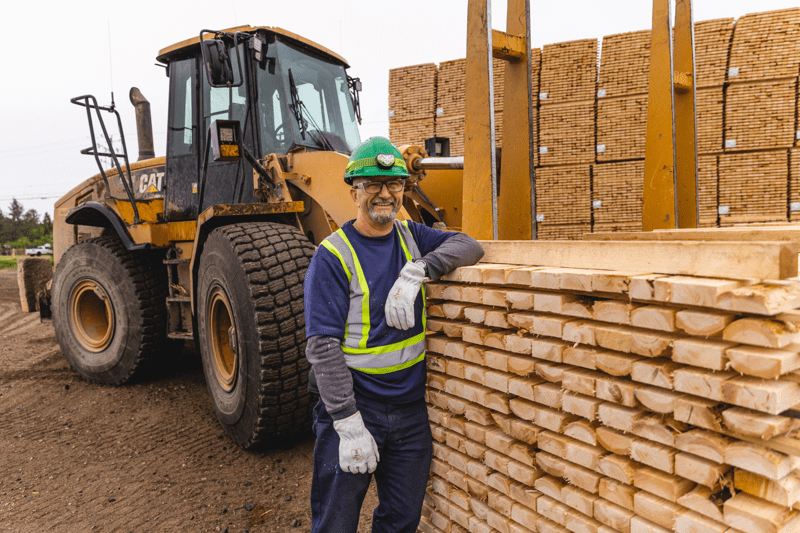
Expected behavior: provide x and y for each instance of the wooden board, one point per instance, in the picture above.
(759, 260)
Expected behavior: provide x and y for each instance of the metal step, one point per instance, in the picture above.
(175, 261)
(180, 336)
(178, 299)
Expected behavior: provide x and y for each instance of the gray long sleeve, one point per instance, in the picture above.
(330, 377)
(458, 250)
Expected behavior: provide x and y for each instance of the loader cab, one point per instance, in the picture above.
(296, 96)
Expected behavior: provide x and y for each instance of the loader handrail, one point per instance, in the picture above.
(84, 101)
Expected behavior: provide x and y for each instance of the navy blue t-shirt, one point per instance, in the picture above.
(327, 299)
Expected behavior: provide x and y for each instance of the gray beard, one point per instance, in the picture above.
(383, 219)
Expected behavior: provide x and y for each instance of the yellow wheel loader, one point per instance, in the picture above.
(212, 242)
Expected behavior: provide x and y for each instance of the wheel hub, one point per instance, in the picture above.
(91, 315)
(223, 339)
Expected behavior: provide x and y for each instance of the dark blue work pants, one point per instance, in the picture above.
(403, 435)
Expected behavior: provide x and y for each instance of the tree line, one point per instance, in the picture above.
(20, 228)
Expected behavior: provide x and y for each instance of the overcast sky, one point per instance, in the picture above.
(65, 49)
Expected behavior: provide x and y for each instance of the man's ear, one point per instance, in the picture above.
(354, 195)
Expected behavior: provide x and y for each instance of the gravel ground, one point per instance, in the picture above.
(77, 456)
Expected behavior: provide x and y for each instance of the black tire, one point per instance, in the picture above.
(250, 292)
(100, 277)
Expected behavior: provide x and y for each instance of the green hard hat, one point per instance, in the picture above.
(376, 156)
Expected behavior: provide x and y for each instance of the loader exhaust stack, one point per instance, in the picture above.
(144, 124)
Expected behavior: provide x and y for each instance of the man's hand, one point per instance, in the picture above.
(358, 452)
(400, 303)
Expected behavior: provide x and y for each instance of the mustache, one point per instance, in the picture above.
(383, 202)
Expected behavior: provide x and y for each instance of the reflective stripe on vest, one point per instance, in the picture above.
(375, 359)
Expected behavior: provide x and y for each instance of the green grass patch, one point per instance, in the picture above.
(7, 262)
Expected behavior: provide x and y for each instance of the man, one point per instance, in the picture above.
(365, 325)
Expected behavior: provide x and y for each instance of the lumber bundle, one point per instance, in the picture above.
(765, 46)
(752, 187)
(451, 88)
(624, 64)
(451, 93)
(566, 133)
(712, 40)
(621, 128)
(411, 131)
(413, 94)
(760, 115)
(564, 399)
(562, 232)
(569, 72)
(617, 194)
(794, 184)
(563, 202)
(453, 129)
(709, 109)
(707, 191)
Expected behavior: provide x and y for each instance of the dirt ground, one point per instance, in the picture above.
(77, 456)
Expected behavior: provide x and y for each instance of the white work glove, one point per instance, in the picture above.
(400, 303)
(358, 452)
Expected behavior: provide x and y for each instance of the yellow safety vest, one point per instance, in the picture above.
(375, 359)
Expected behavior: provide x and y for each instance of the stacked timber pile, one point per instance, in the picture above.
(617, 204)
(712, 42)
(566, 139)
(794, 184)
(621, 131)
(760, 113)
(451, 95)
(412, 104)
(645, 400)
(752, 187)
(622, 96)
(707, 193)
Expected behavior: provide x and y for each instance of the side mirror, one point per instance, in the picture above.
(217, 63)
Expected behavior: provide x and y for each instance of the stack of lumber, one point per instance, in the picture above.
(412, 103)
(622, 128)
(760, 115)
(559, 216)
(567, 103)
(794, 184)
(753, 187)
(765, 46)
(451, 96)
(712, 40)
(625, 64)
(569, 72)
(709, 117)
(622, 96)
(586, 400)
(565, 144)
(712, 43)
(617, 196)
(707, 191)
(566, 133)
(760, 104)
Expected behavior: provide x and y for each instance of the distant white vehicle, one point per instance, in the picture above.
(45, 249)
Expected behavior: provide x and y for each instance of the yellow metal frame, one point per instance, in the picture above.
(486, 212)
(670, 167)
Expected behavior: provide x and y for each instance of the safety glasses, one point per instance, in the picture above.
(374, 187)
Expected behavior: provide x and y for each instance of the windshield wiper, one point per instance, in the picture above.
(298, 107)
